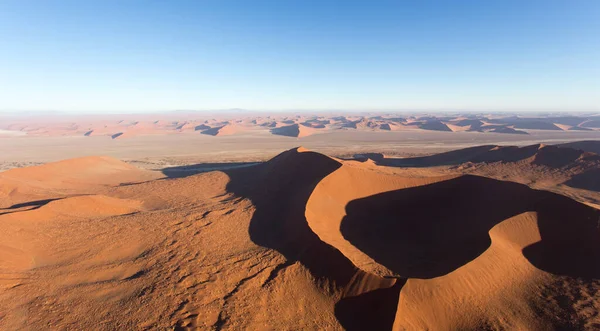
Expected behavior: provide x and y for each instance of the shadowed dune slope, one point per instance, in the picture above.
(280, 190)
(294, 130)
(431, 230)
(589, 180)
(302, 241)
(592, 146)
(434, 125)
(224, 130)
(325, 209)
(499, 290)
(476, 252)
(546, 155)
(498, 236)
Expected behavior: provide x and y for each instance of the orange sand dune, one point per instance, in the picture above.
(75, 175)
(326, 207)
(457, 128)
(548, 155)
(303, 241)
(18, 251)
(467, 298)
(294, 130)
(224, 130)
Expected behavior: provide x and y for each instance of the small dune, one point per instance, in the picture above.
(504, 129)
(74, 175)
(87, 206)
(535, 125)
(294, 130)
(434, 125)
(550, 156)
(224, 130)
(457, 128)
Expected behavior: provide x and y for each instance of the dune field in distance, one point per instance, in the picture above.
(285, 221)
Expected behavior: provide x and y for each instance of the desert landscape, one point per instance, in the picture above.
(294, 165)
(157, 141)
(394, 232)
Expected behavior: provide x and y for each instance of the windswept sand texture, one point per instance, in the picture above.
(303, 241)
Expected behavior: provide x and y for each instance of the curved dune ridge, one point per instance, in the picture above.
(224, 130)
(294, 130)
(325, 209)
(539, 154)
(303, 241)
(478, 240)
(557, 168)
(69, 176)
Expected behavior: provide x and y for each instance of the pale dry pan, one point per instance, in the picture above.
(303, 241)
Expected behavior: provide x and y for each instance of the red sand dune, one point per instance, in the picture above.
(294, 130)
(74, 175)
(546, 155)
(303, 241)
(224, 130)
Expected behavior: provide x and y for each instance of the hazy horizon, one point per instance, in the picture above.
(308, 112)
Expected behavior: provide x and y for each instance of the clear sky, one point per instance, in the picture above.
(130, 56)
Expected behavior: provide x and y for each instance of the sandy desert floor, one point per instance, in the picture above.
(160, 151)
(156, 141)
(306, 241)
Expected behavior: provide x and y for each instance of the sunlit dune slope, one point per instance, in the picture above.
(68, 176)
(303, 241)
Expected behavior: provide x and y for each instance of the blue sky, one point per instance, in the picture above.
(133, 56)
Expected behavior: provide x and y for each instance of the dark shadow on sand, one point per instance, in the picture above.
(431, 230)
(279, 189)
(33, 204)
(550, 156)
(37, 203)
(189, 170)
(380, 306)
(589, 180)
(420, 232)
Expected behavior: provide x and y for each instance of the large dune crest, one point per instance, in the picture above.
(302, 241)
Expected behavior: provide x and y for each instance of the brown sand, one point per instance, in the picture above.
(303, 241)
(74, 176)
(294, 130)
(227, 129)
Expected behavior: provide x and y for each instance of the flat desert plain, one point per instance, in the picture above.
(156, 141)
